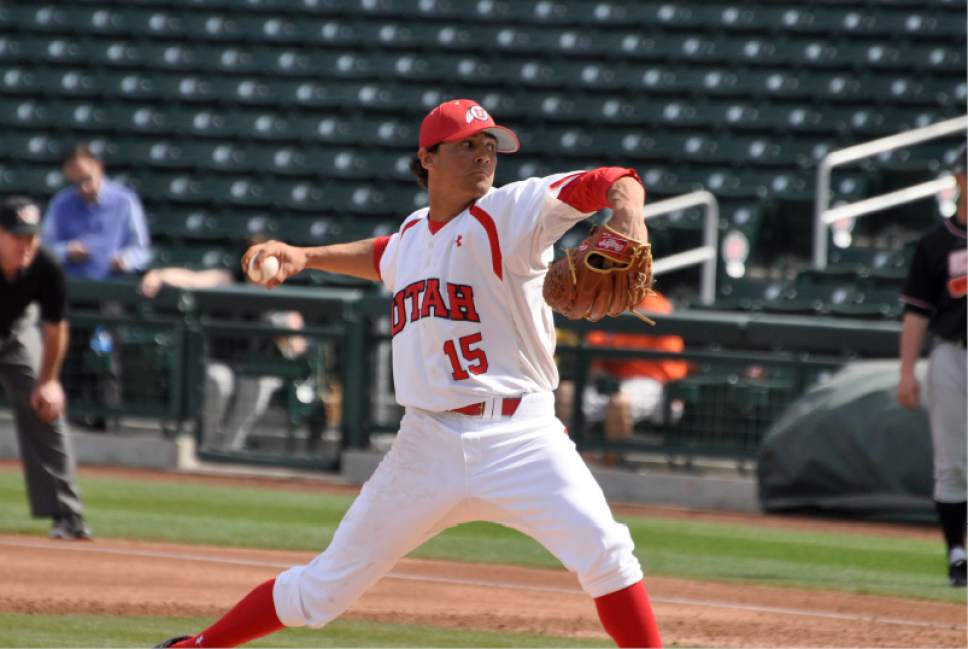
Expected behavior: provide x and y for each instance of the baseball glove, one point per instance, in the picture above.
(606, 275)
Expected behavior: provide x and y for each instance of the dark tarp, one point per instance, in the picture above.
(846, 447)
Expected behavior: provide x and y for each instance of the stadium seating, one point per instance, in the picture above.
(275, 104)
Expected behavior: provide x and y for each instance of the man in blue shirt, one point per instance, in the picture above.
(95, 228)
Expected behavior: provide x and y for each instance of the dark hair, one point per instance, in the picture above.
(417, 169)
(79, 151)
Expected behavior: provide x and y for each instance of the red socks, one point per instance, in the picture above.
(627, 616)
(253, 617)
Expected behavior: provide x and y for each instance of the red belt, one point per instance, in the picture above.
(508, 407)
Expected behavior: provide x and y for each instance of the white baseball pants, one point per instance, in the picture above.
(445, 469)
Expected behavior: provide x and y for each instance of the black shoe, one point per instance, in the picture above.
(171, 641)
(70, 527)
(957, 573)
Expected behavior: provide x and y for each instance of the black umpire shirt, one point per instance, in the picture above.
(42, 282)
(936, 283)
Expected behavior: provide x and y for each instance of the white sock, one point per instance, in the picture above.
(957, 554)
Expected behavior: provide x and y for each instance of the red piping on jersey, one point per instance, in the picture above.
(379, 247)
(561, 181)
(487, 221)
(588, 191)
(408, 225)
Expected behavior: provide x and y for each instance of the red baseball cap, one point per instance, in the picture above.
(460, 118)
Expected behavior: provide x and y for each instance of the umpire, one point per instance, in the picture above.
(934, 301)
(30, 361)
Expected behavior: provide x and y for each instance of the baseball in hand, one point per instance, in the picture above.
(264, 272)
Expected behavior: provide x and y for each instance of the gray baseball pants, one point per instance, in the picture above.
(45, 448)
(946, 405)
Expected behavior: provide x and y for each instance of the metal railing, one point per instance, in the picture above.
(705, 254)
(824, 216)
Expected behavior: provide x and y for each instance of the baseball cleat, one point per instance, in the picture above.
(70, 527)
(170, 642)
(957, 573)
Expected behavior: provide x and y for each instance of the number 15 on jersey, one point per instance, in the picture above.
(474, 359)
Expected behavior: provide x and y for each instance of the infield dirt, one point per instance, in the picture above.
(122, 577)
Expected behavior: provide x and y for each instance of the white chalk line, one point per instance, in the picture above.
(458, 581)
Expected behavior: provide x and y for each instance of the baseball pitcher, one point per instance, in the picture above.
(473, 343)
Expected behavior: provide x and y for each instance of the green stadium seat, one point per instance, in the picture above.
(238, 190)
(228, 58)
(806, 298)
(24, 113)
(80, 116)
(193, 257)
(347, 64)
(289, 61)
(299, 195)
(261, 125)
(738, 114)
(210, 26)
(188, 88)
(76, 82)
(206, 122)
(56, 50)
(101, 20)
(32, 147)
(519, 167)
(870, 302)
(171, 56)
(116, 52)
(843, 86)
(142, 118)
(34, 18)
(171, 187)
(127, 85)
(37, 181)
(387, 132)
(278, 159)
(938, 58)
(13, 50)
(747, 294)
(324, 128)
(330, 32)
(270, 28)
(17, 80)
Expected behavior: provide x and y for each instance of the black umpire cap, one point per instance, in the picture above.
(20, 215)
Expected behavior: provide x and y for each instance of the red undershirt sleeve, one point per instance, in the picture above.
(588, 190)
(379, 246)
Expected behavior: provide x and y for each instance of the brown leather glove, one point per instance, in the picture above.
(606, 275)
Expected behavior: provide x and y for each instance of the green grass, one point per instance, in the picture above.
(112, 631)
(298, 520)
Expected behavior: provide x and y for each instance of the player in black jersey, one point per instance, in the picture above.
(30, 361)
(934, 301)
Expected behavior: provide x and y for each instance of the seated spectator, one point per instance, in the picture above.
(234, 401)
(622, 392)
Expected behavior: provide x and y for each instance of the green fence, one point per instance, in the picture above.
(337, 394)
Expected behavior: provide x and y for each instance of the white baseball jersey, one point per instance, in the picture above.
(470, 324)
(469, 321)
